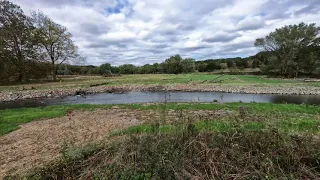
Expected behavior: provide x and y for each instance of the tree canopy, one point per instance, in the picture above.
(294, 48)
(55, 42)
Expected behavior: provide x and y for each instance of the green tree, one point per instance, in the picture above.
(188, 65)
(231, 64)
(201, 66)
(17, 46)
(128, 69)
(173, 65)
(105, 69)
(288, 44)
(256, 63)
(55, 42)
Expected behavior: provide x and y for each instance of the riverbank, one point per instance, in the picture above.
(249, 89)
(86, 141)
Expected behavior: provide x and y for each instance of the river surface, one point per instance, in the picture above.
(147, 97)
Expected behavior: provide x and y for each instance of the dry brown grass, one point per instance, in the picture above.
(39, 142)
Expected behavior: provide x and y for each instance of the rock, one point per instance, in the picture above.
(28, 96)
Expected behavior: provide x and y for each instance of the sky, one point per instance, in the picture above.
(149, 31)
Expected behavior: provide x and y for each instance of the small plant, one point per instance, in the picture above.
(243, 112)
(221, 97)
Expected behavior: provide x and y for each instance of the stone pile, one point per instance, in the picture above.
(250, 89)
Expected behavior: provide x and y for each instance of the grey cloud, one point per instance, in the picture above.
(190, 49)
(186, 27)
(310, 9)
(156, 51)
(223, 37)
(250, 23)
(93, 29)
(237, 46)
(161, 45)
(169, 24)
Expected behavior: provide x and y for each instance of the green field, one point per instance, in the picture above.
(161, 79)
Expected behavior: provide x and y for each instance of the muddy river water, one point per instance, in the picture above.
(147, 97)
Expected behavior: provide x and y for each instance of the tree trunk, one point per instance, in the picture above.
(20, 77)
(53, 72)
(54, 76)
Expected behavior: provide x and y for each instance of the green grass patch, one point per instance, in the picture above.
(12, 118)
(290, 126)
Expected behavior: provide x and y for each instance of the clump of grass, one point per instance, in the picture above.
(190, 154)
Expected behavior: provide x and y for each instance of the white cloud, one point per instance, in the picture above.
(149, 31)
(118, 36)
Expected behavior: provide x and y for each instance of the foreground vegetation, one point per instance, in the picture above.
(189, 154)
(253, 141)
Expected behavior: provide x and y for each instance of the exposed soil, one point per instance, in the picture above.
(39, 142)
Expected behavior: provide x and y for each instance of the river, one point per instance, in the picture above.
(147, 97)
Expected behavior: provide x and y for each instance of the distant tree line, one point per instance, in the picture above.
(287, 52)
(173, 65)
(32, 47)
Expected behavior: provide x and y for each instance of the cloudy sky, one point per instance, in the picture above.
(149, 31)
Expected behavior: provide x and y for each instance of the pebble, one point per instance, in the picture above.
(299, 90)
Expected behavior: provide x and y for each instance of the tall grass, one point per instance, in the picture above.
(189, 154)
(252, 145)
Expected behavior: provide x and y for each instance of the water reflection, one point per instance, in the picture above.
(144, 97)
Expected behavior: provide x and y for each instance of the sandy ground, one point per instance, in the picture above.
(39, 142)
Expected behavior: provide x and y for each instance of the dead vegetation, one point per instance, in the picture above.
(39, 142)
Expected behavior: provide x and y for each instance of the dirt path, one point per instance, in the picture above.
(39, 142)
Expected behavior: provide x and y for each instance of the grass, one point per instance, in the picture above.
(161, 79)
(289, 126)
(11, 119)
(189, 154)
(257, 141)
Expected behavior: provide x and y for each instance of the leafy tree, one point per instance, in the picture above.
(212, 65)
(242, 63)
(128, 69)
(288, 44)
(17, 46)
(105, 69)
(173, 65)
(256, 63)
(231, 64)
(55, 41)
(158, 68)
(201, 66)
(188, 65)
(223, 65)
